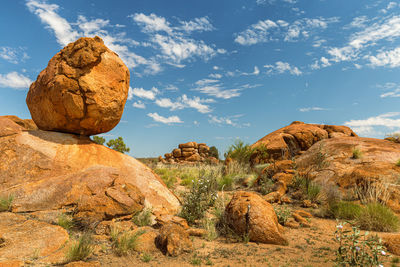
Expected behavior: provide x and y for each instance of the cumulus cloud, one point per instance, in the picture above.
(15, 80)
(389, 59)
(173, 42)
(282, 67)
(165, 120)
(142, 93)
(139, 104)
(267, 30)
(215, 88)
(389, 121)
(13, 55)
(186, 102)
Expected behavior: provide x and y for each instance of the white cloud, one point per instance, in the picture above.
(386, 58)
(173, 43)
(47, 14)
(130, 93)
(66, 32)
(214, 88)
(370, 125)
(139, 104)
(185, 102)
(393, 87)
(171, 87)
(256, 33)
(15, 80)
(166, 120)
(147, 94)
(229, 120)
(256, 70)
(215, 76)
(282, 67)
(312, 109)
(13, 55)
(268, 30)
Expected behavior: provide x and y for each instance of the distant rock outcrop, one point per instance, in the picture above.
(190, 152)
(83, 89)
(296, 138)
(52, 171)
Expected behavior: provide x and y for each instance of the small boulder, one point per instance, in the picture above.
(392, 243)
(248, 213)
(173, 240)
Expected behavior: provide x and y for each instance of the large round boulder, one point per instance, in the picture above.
(82, 90)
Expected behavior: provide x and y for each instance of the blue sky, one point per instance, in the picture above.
(215, 71)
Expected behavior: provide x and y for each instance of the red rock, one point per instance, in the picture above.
(49, 170)
(174, 240)
(290, 140)
(177, 153)
(188, 145)
(248, 212)
(83, 89)
(392, 243)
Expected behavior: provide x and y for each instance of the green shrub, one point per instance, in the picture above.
(118, 145)
(201, 196)
(313, 191)
(142, 218)
(124, 242)
(226, 182)
(81, 249)
(65, 221)
(283, 213)
(6, 203)
(398, 163)
(345, 210)
(377, 217)
(320, 158)
(210, 226)
(240, 152)
(213, 152)
(99, 140)
(146, 257)
(356, 249)
(357, 154)
(266, 185)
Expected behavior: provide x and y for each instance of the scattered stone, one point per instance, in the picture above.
(248, 213)
(303, 222)
(146, 243)
(307, 203)
(303, 213)
(163, 219)
(173, 240)
(291, 223)
(82, 90)
(196, 232)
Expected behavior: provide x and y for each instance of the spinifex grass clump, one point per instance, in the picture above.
(356, 249)
(81, 249)
(283, 213)
(377, 217)
(142, 218)
(65, 221)
(344, 210)
(5, 203)
(201, 196)
(124, 242)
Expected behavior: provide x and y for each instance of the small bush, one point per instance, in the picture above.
(201, 196)
(266, 185)
(6, 203)
(146, 257)
(240, 152)
(81, 249)
(124, 242)
(357, 154)
(65, 221)
(377, 217)
(345, 210)
(168, 176)
(393, 137)
(226, 182)
(213, 152)
(320, 158)
(283, 213)
(210, 226)
(142, 218)
(370, 191)
(311, 190)
(398, 163)
(356, 249)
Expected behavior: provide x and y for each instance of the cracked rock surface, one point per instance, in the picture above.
(83, 89)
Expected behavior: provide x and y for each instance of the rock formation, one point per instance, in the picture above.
(190, 152)
(331, 162)
(83, 90)
(52, 171)
(296, 138)
(248, 214)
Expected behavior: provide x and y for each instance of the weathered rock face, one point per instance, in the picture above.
(190, 152)
(51, 170)
(23, 238)
(173, 240)
(248, 213)
(331, 162)
(291, 140)
(83, 89)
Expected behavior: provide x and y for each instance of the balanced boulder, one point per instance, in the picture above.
(82, 90)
